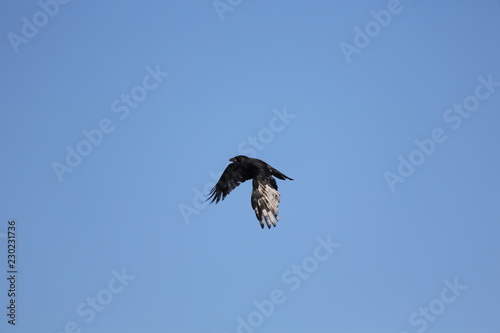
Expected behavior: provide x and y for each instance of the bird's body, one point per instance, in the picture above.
(265, 195)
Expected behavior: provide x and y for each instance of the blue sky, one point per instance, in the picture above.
(117, 117)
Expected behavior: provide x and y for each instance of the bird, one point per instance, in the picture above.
(265, 196)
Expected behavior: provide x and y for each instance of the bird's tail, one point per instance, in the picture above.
(278, 174)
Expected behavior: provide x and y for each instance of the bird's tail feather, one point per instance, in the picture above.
(279, 175)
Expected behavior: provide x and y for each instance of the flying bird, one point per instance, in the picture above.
(265, 195)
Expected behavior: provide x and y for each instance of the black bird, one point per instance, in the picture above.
(265, 195)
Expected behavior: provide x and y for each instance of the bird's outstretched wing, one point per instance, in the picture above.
(265, 200)
(232, 176)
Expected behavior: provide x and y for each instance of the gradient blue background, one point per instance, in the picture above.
(121, 208)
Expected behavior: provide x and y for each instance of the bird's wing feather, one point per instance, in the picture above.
(265, 200)
(232, 176)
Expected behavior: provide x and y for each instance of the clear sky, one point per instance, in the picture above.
(118, 116)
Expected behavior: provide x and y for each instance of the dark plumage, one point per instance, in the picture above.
(265, 195)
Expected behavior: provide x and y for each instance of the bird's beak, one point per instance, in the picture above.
(232, 159)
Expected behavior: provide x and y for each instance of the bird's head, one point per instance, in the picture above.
(238, 158)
